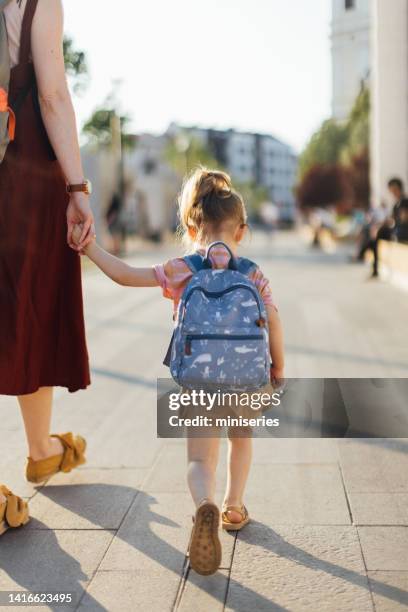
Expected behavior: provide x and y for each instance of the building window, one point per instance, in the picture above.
(350, 4)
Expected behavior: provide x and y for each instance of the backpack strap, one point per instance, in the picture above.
(245, 266)
(25, 40)
(195, 262)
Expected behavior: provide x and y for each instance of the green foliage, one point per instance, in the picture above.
(98, 128)
(325, 146)
(344, 146)
(358, 128)
(336, 142)
(76, 65)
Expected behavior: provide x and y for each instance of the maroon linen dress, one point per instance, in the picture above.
(42, 335)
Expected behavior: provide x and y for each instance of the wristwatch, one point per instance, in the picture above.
(85, 187)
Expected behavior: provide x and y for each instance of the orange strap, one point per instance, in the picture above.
(5, 108)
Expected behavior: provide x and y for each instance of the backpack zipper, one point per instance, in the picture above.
(191, 337)
(216, 294)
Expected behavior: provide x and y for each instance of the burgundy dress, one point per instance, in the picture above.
(42, 335)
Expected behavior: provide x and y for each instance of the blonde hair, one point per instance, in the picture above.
(207, 201)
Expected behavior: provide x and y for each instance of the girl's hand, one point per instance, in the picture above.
(76, 234)
(79, 213)
(277, 375)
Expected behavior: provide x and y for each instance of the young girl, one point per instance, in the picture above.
(210, 210)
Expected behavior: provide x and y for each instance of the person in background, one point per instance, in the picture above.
(400, 210)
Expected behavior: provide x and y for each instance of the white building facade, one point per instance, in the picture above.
(389, 95)
(254, 158)
(351, 57)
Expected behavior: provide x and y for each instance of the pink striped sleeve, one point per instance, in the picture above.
(263, 286)
(172, 277)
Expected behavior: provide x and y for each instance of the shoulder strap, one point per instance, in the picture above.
(194, 262)
(25, 41)
(245, 266)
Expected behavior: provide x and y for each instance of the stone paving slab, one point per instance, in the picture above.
(293, 450)
(379, 508)
(390, 590)
(44, 560)
(309, 494)
(385, 548)
(86, 499)
(155, 534)
(298, 569)
(205, 593)
(375, 465)
(128, 591)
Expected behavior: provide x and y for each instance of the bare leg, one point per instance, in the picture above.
(36, 410)
(202, 464)
(239, 464)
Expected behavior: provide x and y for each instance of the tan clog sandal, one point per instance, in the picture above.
(205, 546)
(13, 512)
(229, 525)
(72, 457)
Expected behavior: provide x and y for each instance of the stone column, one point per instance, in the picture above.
(389, 146)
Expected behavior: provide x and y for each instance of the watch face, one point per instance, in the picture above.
(88, 187)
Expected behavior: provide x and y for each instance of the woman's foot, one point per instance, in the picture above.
(234, 517)
(13, 510)
(51, 448)
(70, 453)
(205, 546)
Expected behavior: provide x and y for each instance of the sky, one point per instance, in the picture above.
(257, 65)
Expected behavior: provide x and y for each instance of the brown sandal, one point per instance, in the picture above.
(13, 512)
(229, 525)
(205, 546)
(72, 457)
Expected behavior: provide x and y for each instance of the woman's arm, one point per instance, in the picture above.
(57, 109)
(118, 270)
(276, 342)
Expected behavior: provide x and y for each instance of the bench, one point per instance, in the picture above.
(393, 258)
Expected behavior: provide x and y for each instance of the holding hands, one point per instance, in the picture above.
(80, 219)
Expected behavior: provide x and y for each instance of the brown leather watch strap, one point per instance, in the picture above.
(79, 187)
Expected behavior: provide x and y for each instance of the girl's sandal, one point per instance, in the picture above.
(13, 512)
(72, 457)
(205, 547)
(229, 525)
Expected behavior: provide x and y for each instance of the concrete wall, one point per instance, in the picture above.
(389, 94)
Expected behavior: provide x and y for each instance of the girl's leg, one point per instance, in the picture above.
(239, 463)
(36, 410)
(202, 454)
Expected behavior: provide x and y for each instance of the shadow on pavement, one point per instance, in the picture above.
(275, 543)
(76, 499)
(35, 561)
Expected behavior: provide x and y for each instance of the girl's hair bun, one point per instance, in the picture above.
(212, 182)
(207, 200)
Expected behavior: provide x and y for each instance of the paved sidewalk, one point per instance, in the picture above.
(330, 528)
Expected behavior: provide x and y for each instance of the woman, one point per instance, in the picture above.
(42, 185)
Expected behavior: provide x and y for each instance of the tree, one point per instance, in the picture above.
(325, 146)
(324, 185)
(76, 65)
(344, 146)
(359, 172)
(358, 127)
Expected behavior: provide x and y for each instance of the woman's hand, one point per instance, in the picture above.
(79, 213)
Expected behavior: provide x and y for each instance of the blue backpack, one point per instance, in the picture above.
(221, 335)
